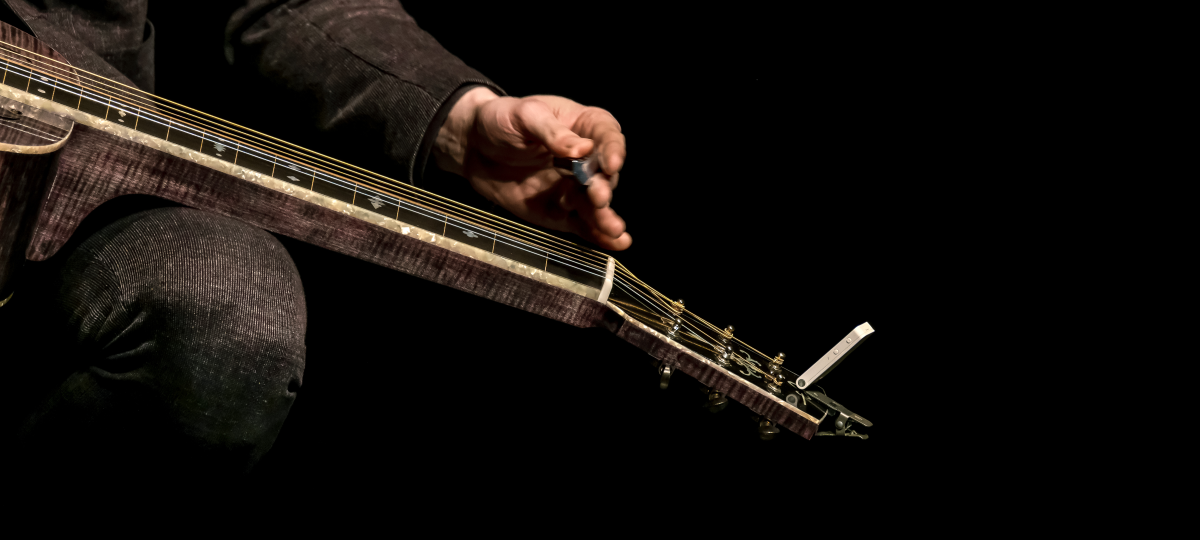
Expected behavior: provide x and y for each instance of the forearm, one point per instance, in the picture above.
(364, 73)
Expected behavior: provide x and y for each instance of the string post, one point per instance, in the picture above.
(775, 374)
(676, 320)
(767, 429)
(716, 400)
(724, 347)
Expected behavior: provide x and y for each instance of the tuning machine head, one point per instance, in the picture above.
(664, 376)
(724, 348)
(774, 376)
(717, 401)
(675, 321)
(767, 429)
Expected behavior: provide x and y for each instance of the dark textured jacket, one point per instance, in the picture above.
(370, 77)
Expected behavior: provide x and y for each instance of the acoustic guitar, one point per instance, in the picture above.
(71, 140)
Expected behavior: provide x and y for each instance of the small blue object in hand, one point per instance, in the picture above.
(582, 168)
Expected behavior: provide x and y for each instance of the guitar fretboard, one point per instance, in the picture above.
(147, 118)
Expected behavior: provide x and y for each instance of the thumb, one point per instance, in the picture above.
(537, 121)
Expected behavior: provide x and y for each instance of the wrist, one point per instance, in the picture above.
(450, 145)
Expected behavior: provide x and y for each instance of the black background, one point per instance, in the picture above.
(793, 173)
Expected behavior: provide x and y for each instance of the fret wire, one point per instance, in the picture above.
(483, 215)
(601, 275)
(403, 186)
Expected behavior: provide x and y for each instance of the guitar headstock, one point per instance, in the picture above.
(783, 393)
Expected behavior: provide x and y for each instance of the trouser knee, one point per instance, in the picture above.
(189, 326)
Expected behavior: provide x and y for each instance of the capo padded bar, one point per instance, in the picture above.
(834, 357)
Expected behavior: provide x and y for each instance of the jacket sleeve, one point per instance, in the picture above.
(374, 85)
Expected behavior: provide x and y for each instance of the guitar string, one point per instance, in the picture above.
(156, 108)
(739, 341)
(509, 232)
(596, 267)
(593, 269)
(667, 299)
(651, 320)
(210, 125)
(146, 98)
(746, 363)
(622, 283)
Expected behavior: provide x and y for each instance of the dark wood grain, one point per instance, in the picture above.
(22, 174)
(20, 130)
(21, 185)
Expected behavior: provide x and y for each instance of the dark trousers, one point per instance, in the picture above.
(170, 342)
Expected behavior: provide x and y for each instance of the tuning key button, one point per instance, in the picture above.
(775, 374)
(767, 429)
(716, 401)
(725, 349)
(675, 321)
(664, 376)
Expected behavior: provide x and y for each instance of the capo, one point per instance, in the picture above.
(821, 368)
(844, 419)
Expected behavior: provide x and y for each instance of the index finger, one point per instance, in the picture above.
(600, 126)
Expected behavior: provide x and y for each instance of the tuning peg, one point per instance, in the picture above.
(775, 374)
(664, 376)
(725, 349)
(716, 401)
(767, 429)
(676, 319)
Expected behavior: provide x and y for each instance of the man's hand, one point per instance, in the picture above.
(505, 147)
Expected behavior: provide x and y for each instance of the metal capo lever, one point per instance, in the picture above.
(821, 368)
(844, 419)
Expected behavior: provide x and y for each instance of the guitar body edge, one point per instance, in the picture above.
(22, 184)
